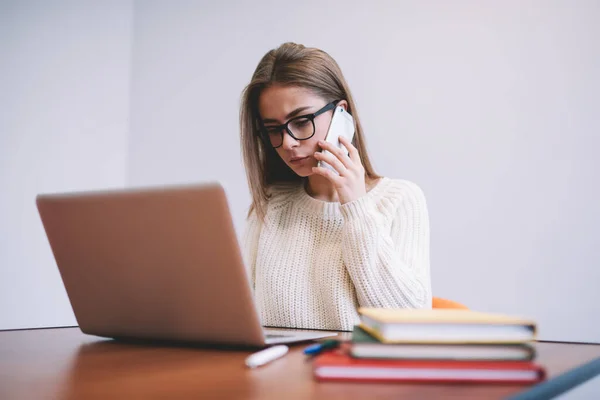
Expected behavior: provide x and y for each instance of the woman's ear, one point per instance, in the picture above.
(344, 104)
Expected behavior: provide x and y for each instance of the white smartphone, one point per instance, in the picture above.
(342, 124)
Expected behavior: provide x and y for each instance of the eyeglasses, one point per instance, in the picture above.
(300, 128)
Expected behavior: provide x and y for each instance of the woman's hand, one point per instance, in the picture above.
(350, 183)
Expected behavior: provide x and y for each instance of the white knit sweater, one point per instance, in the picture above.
(313, 263)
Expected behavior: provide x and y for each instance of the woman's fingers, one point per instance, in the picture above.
(352, 151)
(335, 179)
(337, 152)
(333, 161)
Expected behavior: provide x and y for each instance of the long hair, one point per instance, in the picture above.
(294, 65)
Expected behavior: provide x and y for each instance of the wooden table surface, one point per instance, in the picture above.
(66, 364)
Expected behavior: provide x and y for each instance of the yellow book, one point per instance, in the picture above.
(445, 326)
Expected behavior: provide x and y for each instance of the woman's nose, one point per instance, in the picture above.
(288, 141)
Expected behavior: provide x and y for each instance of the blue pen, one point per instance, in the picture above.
(320, 347)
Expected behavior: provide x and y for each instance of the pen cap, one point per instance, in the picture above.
(266, 355)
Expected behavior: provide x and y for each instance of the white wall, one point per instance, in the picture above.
(488, 106)
(492, 107)
(64, 115)
(186, 84)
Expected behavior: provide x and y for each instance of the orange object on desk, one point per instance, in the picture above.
(439, 302)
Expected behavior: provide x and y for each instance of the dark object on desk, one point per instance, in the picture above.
(562, 383)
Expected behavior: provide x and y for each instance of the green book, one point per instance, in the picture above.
(363, 345)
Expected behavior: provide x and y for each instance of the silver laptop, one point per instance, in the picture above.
(156, 263)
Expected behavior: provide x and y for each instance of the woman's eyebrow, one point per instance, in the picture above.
(290, 115)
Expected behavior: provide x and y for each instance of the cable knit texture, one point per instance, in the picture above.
(313, 263)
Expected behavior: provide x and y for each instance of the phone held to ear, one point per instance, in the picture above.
(342, 124)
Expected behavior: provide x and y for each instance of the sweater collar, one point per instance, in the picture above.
(332, 209)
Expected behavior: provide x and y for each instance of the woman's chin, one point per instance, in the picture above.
(303, 170)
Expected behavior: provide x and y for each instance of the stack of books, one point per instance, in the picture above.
(441, 345)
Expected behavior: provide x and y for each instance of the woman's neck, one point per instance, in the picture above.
(320, 188)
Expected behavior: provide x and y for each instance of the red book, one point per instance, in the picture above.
(337, 366)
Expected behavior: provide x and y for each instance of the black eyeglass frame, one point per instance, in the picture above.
(280, 128)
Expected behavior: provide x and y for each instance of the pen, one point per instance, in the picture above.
(267, 355)
(320, 347)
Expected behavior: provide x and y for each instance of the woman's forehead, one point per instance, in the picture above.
(276, 102)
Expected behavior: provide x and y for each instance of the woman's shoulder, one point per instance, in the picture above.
(399, 190)
(404, 185)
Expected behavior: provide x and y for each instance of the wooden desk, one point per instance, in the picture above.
(66, 364)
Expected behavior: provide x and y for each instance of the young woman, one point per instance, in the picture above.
(319, 244)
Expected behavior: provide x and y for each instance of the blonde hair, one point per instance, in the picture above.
(295, 65)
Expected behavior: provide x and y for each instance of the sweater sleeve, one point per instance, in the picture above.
(250, 239)
(385, 248)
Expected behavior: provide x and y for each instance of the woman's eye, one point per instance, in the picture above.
(301, 122)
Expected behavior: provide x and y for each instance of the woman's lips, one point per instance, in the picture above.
(298, 160)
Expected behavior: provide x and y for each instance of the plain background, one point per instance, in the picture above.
(491, 107)
(64, 124)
